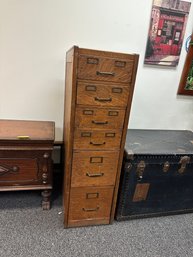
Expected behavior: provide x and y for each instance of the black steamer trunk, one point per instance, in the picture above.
(157, 174)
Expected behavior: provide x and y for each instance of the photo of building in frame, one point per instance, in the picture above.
(166, 32)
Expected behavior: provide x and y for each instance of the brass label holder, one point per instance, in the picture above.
(92, 195)
(96, 159)
(141, 192)
(113, 113)
(91, 60)
(88, 112)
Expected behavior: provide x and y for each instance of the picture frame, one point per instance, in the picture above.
(186, 81)
(166, 32)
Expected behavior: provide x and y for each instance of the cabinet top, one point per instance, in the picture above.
(27, 131)
(102, 53)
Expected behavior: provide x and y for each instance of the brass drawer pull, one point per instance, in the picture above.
(89, 210)
(97, 144)
(105, 73)
(103, 99)
(94, 175)
(99, 122)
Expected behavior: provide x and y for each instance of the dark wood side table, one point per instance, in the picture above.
(26, 157)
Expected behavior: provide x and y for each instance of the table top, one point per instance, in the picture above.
(27, 130)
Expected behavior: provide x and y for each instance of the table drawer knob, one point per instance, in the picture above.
(46, 155)
(15, 168)
(44, 176)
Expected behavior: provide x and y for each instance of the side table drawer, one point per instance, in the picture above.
(97, 139)
(89, 203)
(91, 168)
(19, 171)
(100, 118)
(20, 168)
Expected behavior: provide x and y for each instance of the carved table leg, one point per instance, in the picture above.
(46, 194)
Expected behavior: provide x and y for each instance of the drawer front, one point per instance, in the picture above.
(102, 95)
(19, 171)
(97, 139)
(25, 167)
(105, 69)
(99, 118)
(90, 203)
(94, 168)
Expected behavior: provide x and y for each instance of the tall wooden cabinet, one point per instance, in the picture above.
(98, 94)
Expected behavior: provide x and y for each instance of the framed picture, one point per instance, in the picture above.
(166, 32)
(186, 81)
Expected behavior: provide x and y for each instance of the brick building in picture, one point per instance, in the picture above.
(167, 28)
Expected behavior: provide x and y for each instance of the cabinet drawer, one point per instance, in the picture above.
(102, 95)
(99, 118)
(18, 171)
(97, 139)
(94, 168)
(90, 203)
(105, 69)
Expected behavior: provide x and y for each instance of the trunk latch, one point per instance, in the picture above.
(183, 161)
(140, 169)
